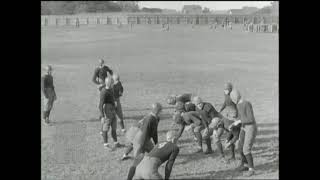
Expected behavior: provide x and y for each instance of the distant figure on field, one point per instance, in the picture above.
(48, 92)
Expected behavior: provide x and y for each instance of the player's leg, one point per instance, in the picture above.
(217, 141)
(250, 135)
(244, 162)
(120, 114)
(197, 132)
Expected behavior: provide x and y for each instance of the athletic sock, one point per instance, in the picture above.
(220, 149)
(131, 173)
(199, 139)
(105, 136)
(243, 159)
(232, 147)
(208, 142)
(250, 160)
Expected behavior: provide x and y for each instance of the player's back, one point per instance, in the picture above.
(163, 150)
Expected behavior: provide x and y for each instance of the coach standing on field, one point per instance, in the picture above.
(49, 93)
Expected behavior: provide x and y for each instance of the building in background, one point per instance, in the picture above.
(192, 9)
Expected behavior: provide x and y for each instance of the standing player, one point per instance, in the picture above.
(229, 107)
(107, 114)
(146, 166)
(118, 91)
(248, 131)
(100, 74)
(140, 137)
(49, 93)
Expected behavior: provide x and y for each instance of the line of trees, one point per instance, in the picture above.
(74, 7)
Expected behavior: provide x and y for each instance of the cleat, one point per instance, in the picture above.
(208, 152)
(242, 168)
(199, 151)
(107, 146)
(117, 145)
(123, 131)
(124, 157)
(249, 173)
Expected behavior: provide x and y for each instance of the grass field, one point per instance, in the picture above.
(153, 64)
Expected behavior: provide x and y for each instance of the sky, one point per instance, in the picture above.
(212, 5)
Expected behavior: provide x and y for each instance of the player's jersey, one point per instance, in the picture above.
(164, 151)
(208, 110)
(149, 128)
(184, 98)
(101, 73)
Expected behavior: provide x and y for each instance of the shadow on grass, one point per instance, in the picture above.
(267, 124)
(267, 132)
(230, 173)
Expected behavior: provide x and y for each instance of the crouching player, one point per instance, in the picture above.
(248, 131)
(146, 166)
(219, 125)
(207, 113)
(107, 114)
(192, 119)
(139, 137)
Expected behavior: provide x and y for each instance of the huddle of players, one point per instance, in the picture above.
(237, 120)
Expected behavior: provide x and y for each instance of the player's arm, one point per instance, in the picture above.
(204, 119)
(223, 106)
(181, 129)
(155, 133)
(235, 131)
(121, 89)
(170, 162)
(95, 76)
(145, 130)
(101, 102)
(43, 88)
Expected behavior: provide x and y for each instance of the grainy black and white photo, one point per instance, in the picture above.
(159, 90)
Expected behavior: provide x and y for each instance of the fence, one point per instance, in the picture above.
(155, 19)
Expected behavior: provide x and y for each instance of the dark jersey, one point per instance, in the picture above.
(47, 81)
(106, 97)
(184, 98)
(228, 102)
(245, 113)
(118, 90)
(149, 128)
(165, 151)
(101, 73)
(207, 112)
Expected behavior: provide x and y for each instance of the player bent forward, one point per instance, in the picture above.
(139, 137)
(146, 166)
(207, 113)
(220, 125)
